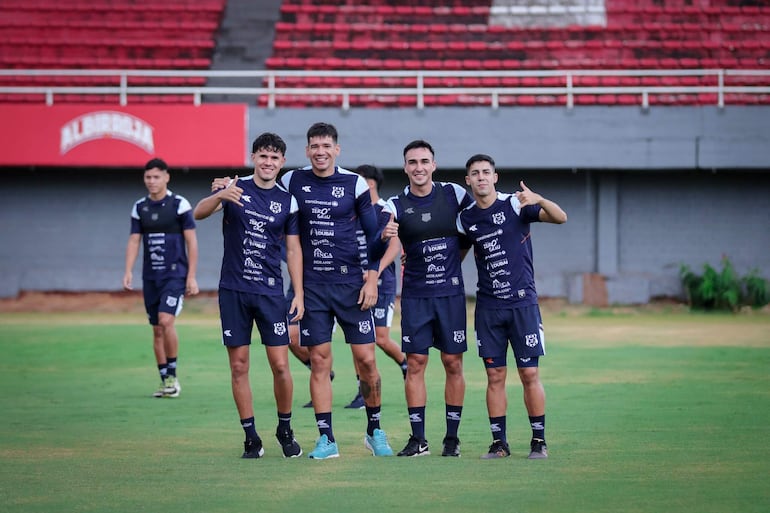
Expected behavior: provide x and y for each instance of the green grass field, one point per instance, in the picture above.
(647, 412)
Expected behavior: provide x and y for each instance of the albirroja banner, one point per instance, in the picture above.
(108, 135)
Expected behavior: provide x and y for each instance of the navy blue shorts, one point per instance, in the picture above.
(165, 296)
(239, 311)
(324, 303)
(383, 310)
(522, 327)
(433, 322)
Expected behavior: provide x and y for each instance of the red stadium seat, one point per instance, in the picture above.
(124, 34)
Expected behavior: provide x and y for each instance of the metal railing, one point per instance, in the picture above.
(720, 83)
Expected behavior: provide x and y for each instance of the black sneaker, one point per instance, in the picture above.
(498, 449)
(331, 375)
(288, 443)
(451, 446)
(357, 403)
(253, 448)
(538, 449)
(415, 447)
(308, 404)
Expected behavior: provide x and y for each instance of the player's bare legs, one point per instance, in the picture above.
(497, 400)
(387, 344)
(301, 353)
(320, 384)
(239, 379)
(165, 342)
(534, 393)
(283, 385)
(534, 400)
(454, 389)
(159, 344)
(414, 385)
(366, 366)
(454, 395)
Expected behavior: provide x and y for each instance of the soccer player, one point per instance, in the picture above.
(258, 218)
(432, 294)
(163, 224)
(331, 199)
(386, 284)
(506, 300)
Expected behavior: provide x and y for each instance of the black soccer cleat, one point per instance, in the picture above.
(288, 443)
(451, 446)
(538, 449)
(498, 449)
(415, 447)
(252, 448)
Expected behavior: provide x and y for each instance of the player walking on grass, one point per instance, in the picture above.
(433, 294)
(163, 224)
(330, 200)
(498, 224)
(259, 217)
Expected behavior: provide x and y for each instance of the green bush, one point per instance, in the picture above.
(757, 291)
(724, 290)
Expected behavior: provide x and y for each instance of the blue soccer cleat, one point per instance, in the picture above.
(378, 443)
(324, 449)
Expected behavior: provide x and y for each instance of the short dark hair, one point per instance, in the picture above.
(419, 143)
(479, 157)
(371, 172)
(153, 163)
(322, 130)
(269, 141)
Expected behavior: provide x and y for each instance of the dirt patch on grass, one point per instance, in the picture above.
(97, 302)
(206, 302)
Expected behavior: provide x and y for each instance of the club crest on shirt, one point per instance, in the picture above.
(338, 192)
(275, 207)
(498, 217)
(425, 217)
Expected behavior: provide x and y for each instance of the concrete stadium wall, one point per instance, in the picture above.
(540, 138)
(634, 224)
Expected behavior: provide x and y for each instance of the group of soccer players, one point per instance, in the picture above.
(322, 218)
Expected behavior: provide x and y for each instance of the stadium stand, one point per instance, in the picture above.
(418, 45)
(104, 34)
(492, 36)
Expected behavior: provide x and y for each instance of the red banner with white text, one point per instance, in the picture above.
(114, 136)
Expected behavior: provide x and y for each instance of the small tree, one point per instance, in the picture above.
(756, 289)
(723, 290)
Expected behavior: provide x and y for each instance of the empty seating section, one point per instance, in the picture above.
(456, 35)
(107, 34)
(397, 35)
